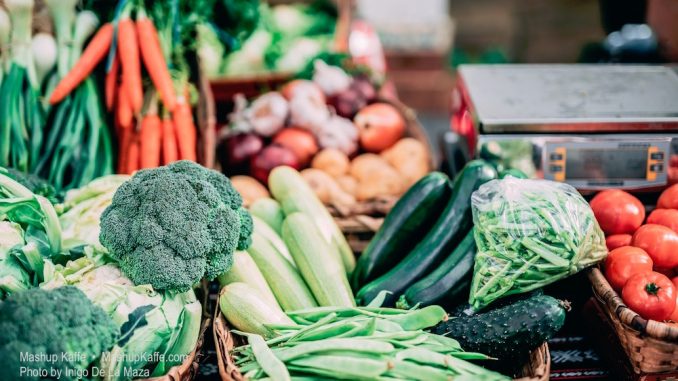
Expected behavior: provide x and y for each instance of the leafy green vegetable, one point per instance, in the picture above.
(61, 327)
(530, 233)
(82, 209)
(171, 226)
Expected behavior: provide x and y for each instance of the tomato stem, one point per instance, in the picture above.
(652, 288)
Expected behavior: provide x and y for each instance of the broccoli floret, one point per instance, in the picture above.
(171, 226)
(49, 324)
(35, 184)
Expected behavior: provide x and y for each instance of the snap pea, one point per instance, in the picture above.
(412, 371)
(351, 345)
(270, 364)
(346, 367)
(419, 319)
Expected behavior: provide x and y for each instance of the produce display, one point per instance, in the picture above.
(352, 144)
(642, 262)
(416, 262)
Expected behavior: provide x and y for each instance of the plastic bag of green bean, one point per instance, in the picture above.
(530, 233)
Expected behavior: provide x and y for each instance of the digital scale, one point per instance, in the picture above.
(592, 126)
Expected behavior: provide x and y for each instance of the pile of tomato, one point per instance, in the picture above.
(643, 261)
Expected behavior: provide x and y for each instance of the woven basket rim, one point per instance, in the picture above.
(603, 291)
(538, 367)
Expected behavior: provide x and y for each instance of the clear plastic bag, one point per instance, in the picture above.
(530, 233)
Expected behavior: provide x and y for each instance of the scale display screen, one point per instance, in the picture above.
(587, 163)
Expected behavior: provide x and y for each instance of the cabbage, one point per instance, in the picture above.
(154, 325)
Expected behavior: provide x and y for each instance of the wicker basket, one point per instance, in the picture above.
(651, 346)
(537, 369)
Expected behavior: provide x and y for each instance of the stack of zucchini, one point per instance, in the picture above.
(424, 251)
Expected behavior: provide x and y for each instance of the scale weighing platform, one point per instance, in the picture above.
(592, 126)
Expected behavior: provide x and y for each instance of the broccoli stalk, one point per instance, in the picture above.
(171, 226)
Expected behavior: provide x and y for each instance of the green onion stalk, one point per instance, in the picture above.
(21, 113)
(5, 40)
(78, 146)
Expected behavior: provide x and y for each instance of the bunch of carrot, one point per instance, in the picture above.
(148, 135)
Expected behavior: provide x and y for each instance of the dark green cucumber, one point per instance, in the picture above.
(448, 282)
(411, 218)
(517, 173)
(453, 224)
(508, 332)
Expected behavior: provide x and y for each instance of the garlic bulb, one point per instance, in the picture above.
(339, 133)
(331, 79)
(268, 113)
(308, 113)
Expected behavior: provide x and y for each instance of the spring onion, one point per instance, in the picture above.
(44, 51)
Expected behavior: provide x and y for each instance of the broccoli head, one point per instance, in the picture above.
(173, 225)
(61, 327)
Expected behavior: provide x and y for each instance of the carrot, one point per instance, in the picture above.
(124, 112)
(185, 129)
(169, 142)
(154, 60)
(128, 48)
(134, 150)
(93, 54)
(112, 83)
(151, 141)
(124, 135)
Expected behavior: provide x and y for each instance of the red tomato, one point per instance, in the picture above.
(666, 217)
(660, 242)
(617, 212)
(674, 315)
(651, 295)
(669, 198)
(381, 126)
(618, 240)
(624, 262)
(301, 142)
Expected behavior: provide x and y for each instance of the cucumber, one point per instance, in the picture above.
(287, 285)
(244, 270)
(247, 310)
(508, 332)
(448, 282)
(411, 218)
(453, 224)
(294, 195)
(325, 276)
(269, 211)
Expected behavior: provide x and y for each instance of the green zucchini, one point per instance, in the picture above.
(294, 195)
(244, 270)
(248, 311)
(448, 231)
(269, 211)
(508, 332)
(448, 282)
(325, 276)
(267, 232)
(287, 285)
(410, 219)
